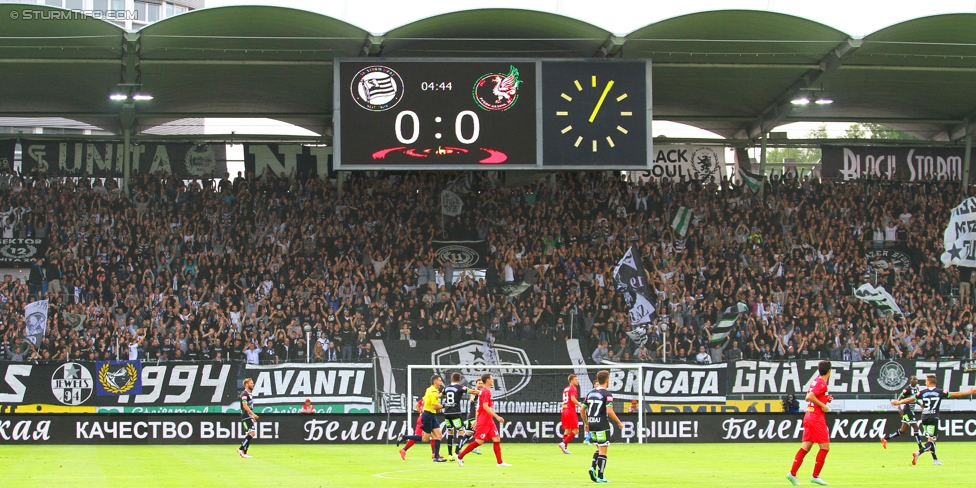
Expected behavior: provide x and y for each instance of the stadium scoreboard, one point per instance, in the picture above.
(463, 114)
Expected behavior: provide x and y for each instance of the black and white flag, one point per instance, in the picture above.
(451, 203)
(879, 297)
(631, 280)
(724, 326)
(35, 315)
(960, 235)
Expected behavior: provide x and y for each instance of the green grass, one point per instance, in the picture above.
(675, 465)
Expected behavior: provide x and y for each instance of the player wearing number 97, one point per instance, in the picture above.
(599, 412)
(248, 417)
(931, 399)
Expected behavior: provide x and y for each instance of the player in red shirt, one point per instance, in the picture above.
(570, 417)
(485, 427)
(417, 431)
(815, 426)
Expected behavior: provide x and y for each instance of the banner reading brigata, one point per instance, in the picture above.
(892, 163)
(105, 158)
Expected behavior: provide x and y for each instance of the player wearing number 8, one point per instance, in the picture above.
(599, 412)
(570, 419)
(931, 399)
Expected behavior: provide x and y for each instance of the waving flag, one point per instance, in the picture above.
(631, 280)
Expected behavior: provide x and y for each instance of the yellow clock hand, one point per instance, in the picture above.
(600, 102)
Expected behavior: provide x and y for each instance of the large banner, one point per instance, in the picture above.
(86, 387)
(22, 253)
(7, 148)
(35, 318)
(527, 390)
(900, 256)
(860, 377)
(335, 387)
(105, 158)
(892, 163)
(689, 162)
(384, 429)
(462, 254)
(287, 158)
(959, 239)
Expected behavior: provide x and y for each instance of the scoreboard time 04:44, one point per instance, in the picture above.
(433, 114)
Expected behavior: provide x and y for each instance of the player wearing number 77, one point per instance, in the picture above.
(931, 399)
(599, 412)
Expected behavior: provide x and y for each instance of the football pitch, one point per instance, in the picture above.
(672, 465)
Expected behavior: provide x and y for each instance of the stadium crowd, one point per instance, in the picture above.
(236, 270)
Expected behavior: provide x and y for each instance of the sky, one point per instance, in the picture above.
(854, 17)
(857, 18)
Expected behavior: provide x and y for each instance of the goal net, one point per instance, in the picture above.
(532, 389)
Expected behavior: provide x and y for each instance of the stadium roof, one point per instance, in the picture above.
(733, 72)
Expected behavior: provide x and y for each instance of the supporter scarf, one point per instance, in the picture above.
(724, 326)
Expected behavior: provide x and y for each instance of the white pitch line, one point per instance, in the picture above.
(384, 475)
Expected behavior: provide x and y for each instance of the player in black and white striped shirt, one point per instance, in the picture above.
(931, 399)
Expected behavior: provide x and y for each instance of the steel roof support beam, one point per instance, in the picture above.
(611, 47)
(371, 46)
(965, 128)
(780, 108)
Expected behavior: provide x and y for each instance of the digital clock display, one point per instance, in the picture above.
(435, 114)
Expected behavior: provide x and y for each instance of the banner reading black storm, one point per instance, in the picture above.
(122, 429)
(892, 163)
(105, 158)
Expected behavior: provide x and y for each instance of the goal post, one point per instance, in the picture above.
(536, 389)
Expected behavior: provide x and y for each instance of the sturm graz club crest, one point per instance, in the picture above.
(892, 376)
(705, 160)
(879, 258)
(470, 358)
(461, 257)
(201, 160)
(72, 384)
(376, 88)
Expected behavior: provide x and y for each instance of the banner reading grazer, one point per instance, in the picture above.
(105, 158)
(892, 163)
(122, 429)
(865, 377)
(287, 158)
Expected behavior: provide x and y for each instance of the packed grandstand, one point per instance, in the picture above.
(234, 270)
